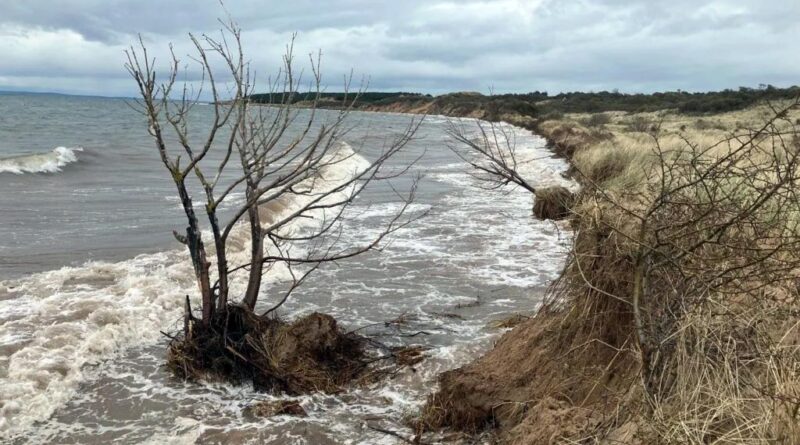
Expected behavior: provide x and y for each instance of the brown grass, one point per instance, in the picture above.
(553, 203)
(724, 367)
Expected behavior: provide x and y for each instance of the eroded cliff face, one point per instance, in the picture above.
(577, 372)
(537, 387)
(467, 105)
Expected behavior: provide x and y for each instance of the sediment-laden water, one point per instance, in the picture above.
(90, 275)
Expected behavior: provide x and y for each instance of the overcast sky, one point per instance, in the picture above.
(432, 46)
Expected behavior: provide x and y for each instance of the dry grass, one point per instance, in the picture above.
(727, 390)
(724, 363)
(675, 320)
(553, 203)
(622, 148)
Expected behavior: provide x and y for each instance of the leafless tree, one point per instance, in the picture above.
(491, 151)
(280, 157)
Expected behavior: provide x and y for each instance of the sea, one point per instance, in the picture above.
(91, 277)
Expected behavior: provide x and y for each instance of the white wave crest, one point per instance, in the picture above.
(67, 318)
(49, 162)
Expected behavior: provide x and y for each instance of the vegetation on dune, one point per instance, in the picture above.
(343, 98)
(675, 318)
(682, 101)
(542, 105)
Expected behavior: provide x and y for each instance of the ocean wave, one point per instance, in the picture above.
(54, 323)
(48, 162)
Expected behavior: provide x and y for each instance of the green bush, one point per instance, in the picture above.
(684, 102)
(363, 98)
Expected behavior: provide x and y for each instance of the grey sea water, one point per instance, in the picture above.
(90, 273)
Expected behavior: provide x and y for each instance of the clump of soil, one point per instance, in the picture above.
(537, 387)
(309, 354)
(507, 322)
(553, 203)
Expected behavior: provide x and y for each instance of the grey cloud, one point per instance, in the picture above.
(430, 46)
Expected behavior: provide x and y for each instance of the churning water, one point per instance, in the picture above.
(89, 275)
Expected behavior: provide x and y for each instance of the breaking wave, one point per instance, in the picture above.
(48, 162)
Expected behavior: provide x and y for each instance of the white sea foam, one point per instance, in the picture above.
(54, 323)
(77, 316)
(48, 162)
(471, 244)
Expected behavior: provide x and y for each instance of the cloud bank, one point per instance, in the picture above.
(76, 46)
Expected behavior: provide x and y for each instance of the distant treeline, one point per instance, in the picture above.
(363, 98)
(538, 103)
(682, 101)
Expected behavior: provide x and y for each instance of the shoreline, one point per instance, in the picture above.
(484, 396)
(484, 108)
(525, 203)
(518, 392)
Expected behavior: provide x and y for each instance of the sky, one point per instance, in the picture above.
(428, 46)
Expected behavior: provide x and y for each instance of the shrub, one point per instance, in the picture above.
(702, 124)
(639, 124)
(597, 120)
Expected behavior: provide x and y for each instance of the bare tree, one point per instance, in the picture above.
(280, 157)
(491, 151)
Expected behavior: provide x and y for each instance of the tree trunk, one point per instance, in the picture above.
(222, 262)
(197, 250)
(256, 256)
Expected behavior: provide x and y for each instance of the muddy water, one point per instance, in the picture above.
(81, 353)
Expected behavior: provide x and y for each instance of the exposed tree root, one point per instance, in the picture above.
(309, 354)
